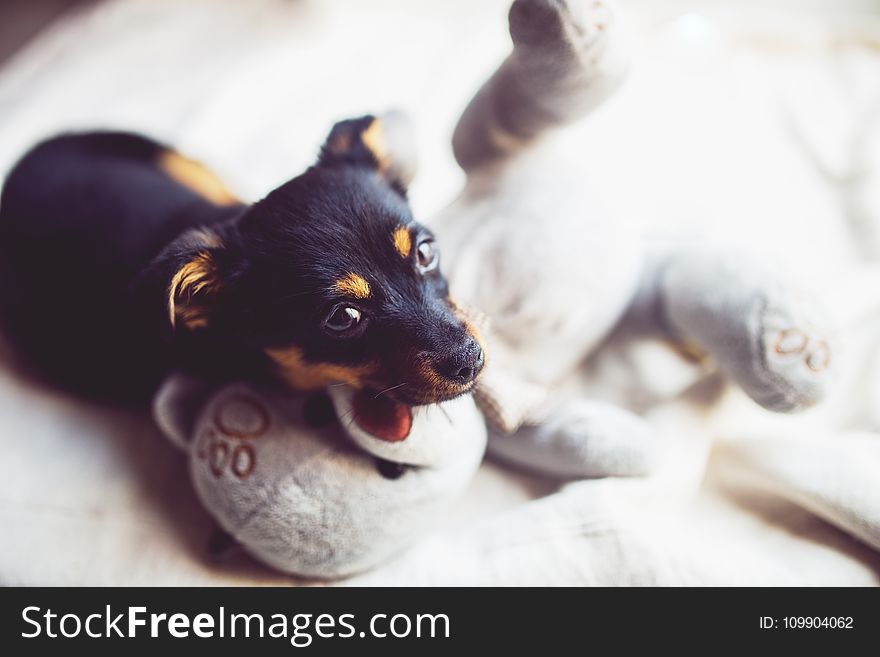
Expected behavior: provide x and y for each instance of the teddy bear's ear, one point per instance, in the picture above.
(177, 404)
(385, 144)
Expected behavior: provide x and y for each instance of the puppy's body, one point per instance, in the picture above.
(81, 216)
(122, 259)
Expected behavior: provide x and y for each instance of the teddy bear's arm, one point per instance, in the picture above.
(582, 438)
(567, 58)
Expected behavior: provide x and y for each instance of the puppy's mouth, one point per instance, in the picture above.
(387, 414)
(382, 416)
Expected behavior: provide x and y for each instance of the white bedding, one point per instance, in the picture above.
(759, 129)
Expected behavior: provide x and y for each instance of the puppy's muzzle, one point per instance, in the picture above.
(463, 365)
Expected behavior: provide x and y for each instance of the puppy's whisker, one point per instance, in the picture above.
(399, 385)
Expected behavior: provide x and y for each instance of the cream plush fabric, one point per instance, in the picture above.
(738, 128)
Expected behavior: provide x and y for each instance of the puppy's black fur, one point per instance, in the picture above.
(121, 260)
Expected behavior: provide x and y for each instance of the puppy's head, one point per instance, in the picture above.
(330, 279)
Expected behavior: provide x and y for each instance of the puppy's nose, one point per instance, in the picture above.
(465, 364)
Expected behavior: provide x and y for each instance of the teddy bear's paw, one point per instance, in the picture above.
(765, 332)
(560, 25)
(582, 439)
(794, 362)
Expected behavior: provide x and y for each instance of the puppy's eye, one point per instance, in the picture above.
(428, 255)
(342, 319)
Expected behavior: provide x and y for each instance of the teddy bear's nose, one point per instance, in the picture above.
(465, 364)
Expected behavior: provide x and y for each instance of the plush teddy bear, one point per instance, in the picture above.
(527, 245)
(310, 495)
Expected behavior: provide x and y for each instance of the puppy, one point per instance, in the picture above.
(121, 259)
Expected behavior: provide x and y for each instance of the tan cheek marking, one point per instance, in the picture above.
(374, 140)
(436, 384)
(302, 375)
(195, 277)
(197, 178)
(402, 241)
(353, 285)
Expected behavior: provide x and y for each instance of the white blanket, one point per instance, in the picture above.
(761, 130)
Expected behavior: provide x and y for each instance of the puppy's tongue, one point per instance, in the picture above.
(382, 417)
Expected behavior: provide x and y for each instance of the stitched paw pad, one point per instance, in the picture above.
(796, 358)
(796, 343)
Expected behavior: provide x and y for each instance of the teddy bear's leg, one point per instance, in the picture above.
(582, 438)
(770, 338)
(567, 58)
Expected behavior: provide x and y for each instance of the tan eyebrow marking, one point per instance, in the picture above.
(402, 241)
(353, 285)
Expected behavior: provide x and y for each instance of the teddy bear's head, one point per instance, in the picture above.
(326, 500)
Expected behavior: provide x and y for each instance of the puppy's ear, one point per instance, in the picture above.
(193, 289)
(385, 144)
(184, 288)
(188, 279)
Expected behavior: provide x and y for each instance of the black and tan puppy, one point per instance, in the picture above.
(121, 259)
